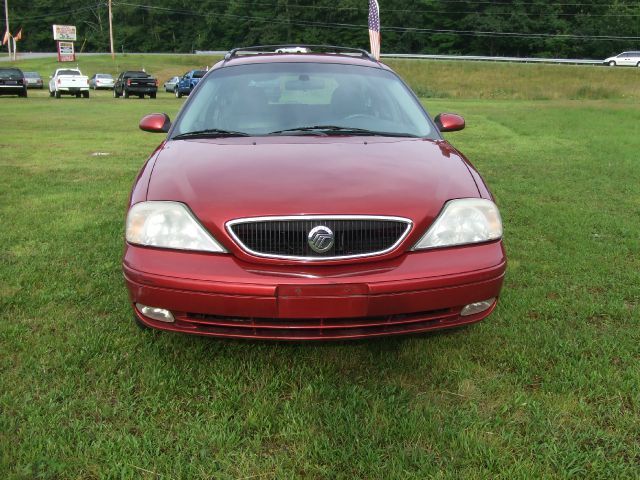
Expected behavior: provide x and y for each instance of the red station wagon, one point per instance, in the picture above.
(309, 196)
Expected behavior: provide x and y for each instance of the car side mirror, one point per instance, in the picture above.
(155, 123)
(449, 122)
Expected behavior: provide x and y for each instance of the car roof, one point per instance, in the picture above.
(315, 54)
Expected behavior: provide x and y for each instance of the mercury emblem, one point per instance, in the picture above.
(320, 239)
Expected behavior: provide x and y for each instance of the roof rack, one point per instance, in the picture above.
(271, 49)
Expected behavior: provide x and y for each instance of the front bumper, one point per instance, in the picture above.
(219, 295)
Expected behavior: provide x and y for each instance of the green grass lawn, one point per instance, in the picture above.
(547, 387)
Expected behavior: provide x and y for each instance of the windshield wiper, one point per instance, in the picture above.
(210, 133)
(327, 129)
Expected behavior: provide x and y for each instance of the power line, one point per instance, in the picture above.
(477, 33)
(61, 13)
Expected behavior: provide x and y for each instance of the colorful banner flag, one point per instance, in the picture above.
(6, 37)
(18, 36)
(374, 28)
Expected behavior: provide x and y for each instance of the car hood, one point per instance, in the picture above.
(226, 179)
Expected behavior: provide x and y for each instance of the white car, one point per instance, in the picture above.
(68, 81)
(292, 50)
(101, 80)
(631, 59)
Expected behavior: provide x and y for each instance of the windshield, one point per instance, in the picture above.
(280, 98)
(199, 73)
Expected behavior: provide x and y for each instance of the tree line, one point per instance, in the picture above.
(536, 28)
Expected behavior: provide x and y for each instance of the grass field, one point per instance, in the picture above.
(547, 387)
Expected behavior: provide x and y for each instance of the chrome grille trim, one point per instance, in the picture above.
(231, 223)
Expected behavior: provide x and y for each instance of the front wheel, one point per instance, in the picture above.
(50, 93)
(178, 94)
(85, 94)
(612, 63)
(57, 94)
(152, 95)
(23, 94)
(125, 94)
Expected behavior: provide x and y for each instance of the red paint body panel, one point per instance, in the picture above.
(225, 179)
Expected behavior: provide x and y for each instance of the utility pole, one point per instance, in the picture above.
(6, 19)
(113, 54)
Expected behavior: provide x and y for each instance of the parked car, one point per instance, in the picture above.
(101, 80)
(336, 211)
(12, 82)
(170, 85)
(135, 83)
(68, 81)
(188, 82)
(631, 59)
(292, 50)
(34, 80)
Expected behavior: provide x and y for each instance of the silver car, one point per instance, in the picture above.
(631, 59)
(170, 85)
(101, 80)
(34, 80)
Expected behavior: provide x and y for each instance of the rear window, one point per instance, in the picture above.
(136, 75)
(31, 74)
(103, 75)
(69, 72)
(10, 73)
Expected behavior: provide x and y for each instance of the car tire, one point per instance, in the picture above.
(50, 93)
(612, 63)
(177, 92)
(152, 95)
(85, 94)
(23, 94)
(125, 94)
(57, 94)
(78, 94)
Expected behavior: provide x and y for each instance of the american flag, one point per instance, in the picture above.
(374, 28)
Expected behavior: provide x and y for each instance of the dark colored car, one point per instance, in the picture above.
(135, 83)
(34, 80)
(12, 82)
(333, 209)
(188, 82)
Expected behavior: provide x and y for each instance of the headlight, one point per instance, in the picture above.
(463, 221)
(168, 225)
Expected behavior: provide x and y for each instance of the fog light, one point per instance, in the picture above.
(159, 314)
(477, 307)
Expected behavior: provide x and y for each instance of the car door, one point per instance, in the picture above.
(625, 58)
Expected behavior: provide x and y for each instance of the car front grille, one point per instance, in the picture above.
(321, 329)
(288, 237)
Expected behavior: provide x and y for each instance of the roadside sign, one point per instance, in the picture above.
(64, 32)
(66, 52)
